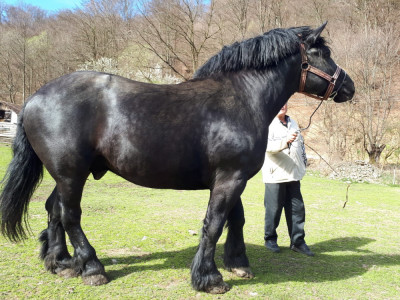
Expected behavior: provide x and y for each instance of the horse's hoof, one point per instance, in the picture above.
(243, 272)
(98, 279)
(221, 288)
(67, 273)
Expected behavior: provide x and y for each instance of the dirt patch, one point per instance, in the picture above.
(133, 251)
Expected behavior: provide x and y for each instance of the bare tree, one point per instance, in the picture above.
(176, 32)
(96, 31)
(268, 14)
(375, 63)
(20, 24)
(367, 46)
(8, 80)
(392, 149)
(237, 13)
(279, 14)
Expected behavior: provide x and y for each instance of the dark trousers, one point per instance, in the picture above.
(285, 195)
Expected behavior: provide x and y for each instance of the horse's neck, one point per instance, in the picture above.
(267, 91)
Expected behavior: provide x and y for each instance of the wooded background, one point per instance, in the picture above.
(165, 41)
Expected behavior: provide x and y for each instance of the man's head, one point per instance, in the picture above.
(282, 112)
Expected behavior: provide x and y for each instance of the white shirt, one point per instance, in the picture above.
(283, 163)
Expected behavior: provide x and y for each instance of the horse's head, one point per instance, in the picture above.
(321, 77)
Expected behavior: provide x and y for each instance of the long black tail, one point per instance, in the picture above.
(22, 177)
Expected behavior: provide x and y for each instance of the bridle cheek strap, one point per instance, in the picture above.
(306, 67)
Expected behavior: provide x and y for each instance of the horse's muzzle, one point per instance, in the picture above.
(346, 92)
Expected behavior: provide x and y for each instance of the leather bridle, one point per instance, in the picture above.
(306, 67)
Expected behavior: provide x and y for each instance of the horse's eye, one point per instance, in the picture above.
(326, 54)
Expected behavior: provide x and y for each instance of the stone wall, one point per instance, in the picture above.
(358, 171)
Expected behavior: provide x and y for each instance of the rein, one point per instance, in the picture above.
(306, 67)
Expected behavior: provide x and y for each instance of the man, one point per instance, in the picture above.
(284, 167)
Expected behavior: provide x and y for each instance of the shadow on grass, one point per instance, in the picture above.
(335, 259)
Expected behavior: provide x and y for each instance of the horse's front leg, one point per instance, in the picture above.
(235, 258)
(226, 191)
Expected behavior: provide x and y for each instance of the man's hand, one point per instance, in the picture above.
(291, 137)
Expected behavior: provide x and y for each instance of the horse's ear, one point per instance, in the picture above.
(314, 35)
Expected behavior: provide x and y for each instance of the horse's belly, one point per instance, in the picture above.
(161, 171)
(166, 181)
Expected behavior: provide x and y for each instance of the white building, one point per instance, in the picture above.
(8, 120)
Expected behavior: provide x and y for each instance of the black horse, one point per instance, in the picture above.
(207, 133)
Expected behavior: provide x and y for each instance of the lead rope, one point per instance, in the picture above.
(303, 129)
(309, 122)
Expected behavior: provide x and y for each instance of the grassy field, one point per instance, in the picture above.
(142, 237)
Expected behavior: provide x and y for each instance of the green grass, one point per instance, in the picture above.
(141, 236)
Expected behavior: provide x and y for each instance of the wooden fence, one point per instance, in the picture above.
(7, 132)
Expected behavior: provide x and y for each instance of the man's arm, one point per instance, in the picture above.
(276, 145)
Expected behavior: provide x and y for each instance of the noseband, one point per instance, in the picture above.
(306, 67)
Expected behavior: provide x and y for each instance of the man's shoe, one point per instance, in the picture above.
(272, 246)
(303, 248)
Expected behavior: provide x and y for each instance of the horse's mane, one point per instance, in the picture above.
(256, 53)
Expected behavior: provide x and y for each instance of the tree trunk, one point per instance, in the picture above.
(375, 153)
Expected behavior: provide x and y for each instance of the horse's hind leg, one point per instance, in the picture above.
(224, 195)
(85, 260)
(54, 250)
(235, 258)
